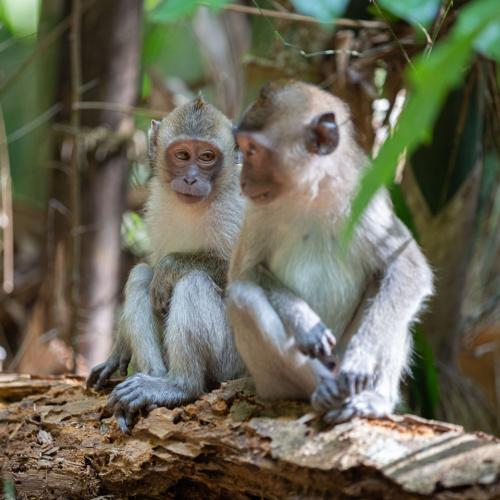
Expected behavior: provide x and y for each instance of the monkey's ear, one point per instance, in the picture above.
(322, 134)
(153, 137)
(199, 102)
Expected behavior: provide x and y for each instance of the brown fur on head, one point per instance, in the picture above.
(188, 131)
(293, 137)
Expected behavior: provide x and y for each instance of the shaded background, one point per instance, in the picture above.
(80, 81)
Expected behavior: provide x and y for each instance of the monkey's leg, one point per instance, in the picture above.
(139, 325)
(279, 369)
(200, 352)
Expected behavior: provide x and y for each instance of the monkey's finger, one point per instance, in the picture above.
(130, 419)
(126, 388)
(330, 338)
(124, 362)
(94, 374)
(122, 422)
(347, 384)
(105, 374)
(362, 383)
(339, 416)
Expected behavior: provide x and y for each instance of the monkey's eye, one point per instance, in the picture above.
(182, 155)
(207, 156)
(251, 150)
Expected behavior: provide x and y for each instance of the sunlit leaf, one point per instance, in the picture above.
(21, 17)
(414, 11)
(488, 42)
(431, 78)
(168, 11)
(323, 10)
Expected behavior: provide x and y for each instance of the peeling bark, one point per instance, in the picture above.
(60, 443)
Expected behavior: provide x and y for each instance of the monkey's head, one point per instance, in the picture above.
(291, 137)
(189, 149)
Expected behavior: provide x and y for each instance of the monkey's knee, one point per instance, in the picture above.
(244, 297)
(195, 283)
(139, 278)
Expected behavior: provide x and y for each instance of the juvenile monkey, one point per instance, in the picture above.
(173, 324)
(292, 290)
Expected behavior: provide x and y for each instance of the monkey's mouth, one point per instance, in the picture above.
(259, 194)
(261, 198)
(189, 198)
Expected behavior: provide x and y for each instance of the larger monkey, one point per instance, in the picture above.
(291, 287)
(173, 323)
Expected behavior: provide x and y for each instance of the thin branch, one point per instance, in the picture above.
(6, 222)
(76, 78)
(290, 16)
(118, 107)
(38, 121)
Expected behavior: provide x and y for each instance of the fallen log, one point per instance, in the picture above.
(58, 442)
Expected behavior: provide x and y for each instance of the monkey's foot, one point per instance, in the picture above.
(366, 404)
(143, 392)
(318, 343)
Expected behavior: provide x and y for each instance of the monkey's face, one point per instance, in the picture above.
(189, 148)
(288, 139)
(191, 167)
(259, 180)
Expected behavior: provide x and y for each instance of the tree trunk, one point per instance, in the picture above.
(58, 442)
(110, 58)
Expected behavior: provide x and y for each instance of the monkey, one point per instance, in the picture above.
(173, 325)
(314, 318)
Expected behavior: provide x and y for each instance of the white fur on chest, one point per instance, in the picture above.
(177, 232)
(174, 226)
(306, 258)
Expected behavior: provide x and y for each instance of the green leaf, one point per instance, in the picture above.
(488, 42)
(168, 11)
(323, 10)
(431, 78)
(413, 11)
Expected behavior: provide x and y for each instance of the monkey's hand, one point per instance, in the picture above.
(161, 286)
(317, 342)
(100, 374)
(312, 337)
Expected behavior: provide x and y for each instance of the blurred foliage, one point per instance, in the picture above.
(413, 11)
(173, 10)
(134, 234)
(423, 391)
(448, 60)
(324, 10)
(20, 17)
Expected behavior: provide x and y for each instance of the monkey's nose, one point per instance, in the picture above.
(189, 182)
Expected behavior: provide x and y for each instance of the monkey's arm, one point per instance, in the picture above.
(380, 343)
(312, 336)
(171, 268)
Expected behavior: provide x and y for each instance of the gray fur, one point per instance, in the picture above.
(367, 295)
(173, 323)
